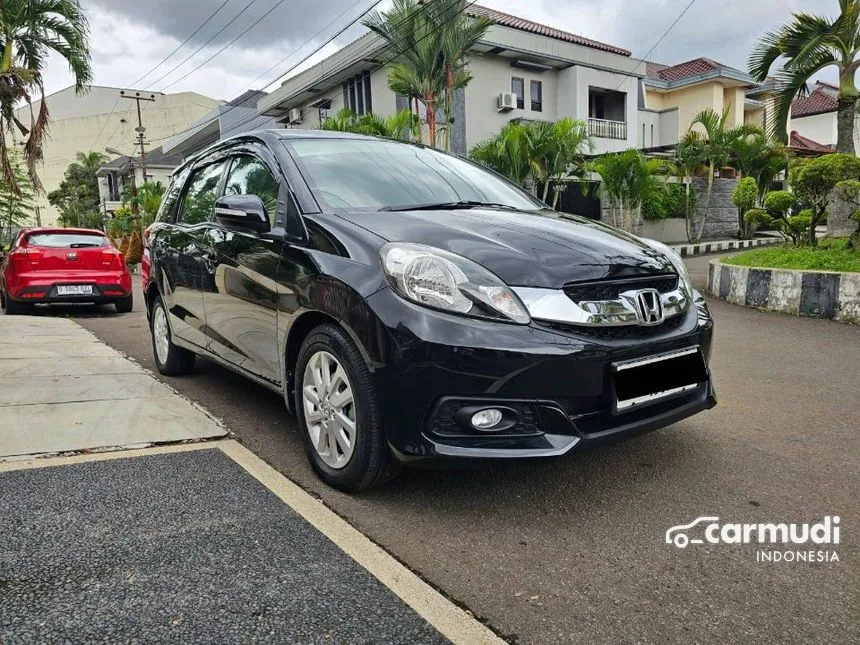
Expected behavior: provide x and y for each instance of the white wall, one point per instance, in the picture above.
(87, 123)
(572, 100)
(492, 75)
(818, 127)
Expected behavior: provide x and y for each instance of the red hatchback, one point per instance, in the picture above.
(56, 265)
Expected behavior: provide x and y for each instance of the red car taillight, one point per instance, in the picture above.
(112, 259)
(25, 258)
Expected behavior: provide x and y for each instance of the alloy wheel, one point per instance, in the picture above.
(160, 334)
(329, 408)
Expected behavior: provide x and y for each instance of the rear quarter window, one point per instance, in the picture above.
(167, 210)
(66, 240)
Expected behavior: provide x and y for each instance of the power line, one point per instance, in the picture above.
(104, 125)
(187, 58)
(297, 49)
(356, 55)
(184, 42)
(205, 62)
(660, 40)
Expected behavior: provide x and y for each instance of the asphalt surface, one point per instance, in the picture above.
(183, 547)
(572, 549)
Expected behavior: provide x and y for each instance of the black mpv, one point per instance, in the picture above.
(411, 305)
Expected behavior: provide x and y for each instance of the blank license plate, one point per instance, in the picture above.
(652, 379)
(75, 290)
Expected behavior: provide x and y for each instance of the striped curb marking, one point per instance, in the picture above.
(685, 250)
(819, 294)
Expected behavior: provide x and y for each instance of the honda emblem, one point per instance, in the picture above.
(649, 307)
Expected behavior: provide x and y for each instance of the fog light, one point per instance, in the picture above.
(486, 418)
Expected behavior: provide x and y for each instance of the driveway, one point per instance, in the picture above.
(572, 550)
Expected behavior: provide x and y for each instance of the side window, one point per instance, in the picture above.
(167, 209)
(250, 176)
(200, 196)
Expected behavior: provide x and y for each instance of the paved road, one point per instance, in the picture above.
(571, 550)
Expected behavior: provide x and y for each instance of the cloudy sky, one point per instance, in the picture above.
(131, 38)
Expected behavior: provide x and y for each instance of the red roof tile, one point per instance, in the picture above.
(804, 143)
(515, 22)
(684, 70)
(818, 101)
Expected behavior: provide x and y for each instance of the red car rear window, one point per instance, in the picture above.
(67, 240)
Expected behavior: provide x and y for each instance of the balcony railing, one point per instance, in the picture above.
(607, 129)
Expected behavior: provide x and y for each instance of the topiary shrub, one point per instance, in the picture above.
(797, 227)
(744, 198)
(754, 219)
(134, 254)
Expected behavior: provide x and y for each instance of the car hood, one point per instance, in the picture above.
(526, 249)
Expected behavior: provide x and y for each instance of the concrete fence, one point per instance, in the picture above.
(820, 294)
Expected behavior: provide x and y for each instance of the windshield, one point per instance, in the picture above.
(67, 240)
(378, 174)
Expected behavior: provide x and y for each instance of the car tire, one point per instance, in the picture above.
(370, 462)
(170, 359)
(124, 305)
(14, 308)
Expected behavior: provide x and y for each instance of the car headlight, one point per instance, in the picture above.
(447, 281)
(676, 261)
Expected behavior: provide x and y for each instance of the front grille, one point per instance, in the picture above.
(610, 289)
(627, 332)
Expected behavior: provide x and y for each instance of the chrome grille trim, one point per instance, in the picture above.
(553, 305)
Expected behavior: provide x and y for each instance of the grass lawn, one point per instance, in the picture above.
(831, 255)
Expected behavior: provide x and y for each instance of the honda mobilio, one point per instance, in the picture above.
(412, 306)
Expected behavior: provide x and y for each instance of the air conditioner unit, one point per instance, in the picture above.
(295, 116)
(507, 101)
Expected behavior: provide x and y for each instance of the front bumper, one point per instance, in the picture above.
(429, 365)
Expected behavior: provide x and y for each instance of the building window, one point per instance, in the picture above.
(537, 96)
(356, 94)
(518, 87)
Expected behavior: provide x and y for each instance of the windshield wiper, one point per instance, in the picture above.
(449, 205)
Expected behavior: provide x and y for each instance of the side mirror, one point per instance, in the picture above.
(243, 212)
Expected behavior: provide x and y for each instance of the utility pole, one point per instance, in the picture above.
(138, 97)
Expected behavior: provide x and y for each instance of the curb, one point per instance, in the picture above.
(685, 250)
(817, 294)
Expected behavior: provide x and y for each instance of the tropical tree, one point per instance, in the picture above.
(814, 182)
(626, 179)
(557, 152)
(716, 149)
(755, 155)
(16, 207)
(507, 153)
(146, 201)
(428, 47)
(808, 44)
(32, 30)
(403, 125)
(688, 162)
(77, 196)
(459, 32)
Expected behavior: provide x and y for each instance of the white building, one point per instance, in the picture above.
(814, 116)
(549, 73)
(127, 173)
(99, 119)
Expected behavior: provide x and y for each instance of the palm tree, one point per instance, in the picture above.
(756, 156)
(688, 161)
(558, 151)
(717, 146)
(416, 63)
(459, 33)
(627, 178)
(32, 30)
(403, 125)
(810, 43)
(507, 153)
